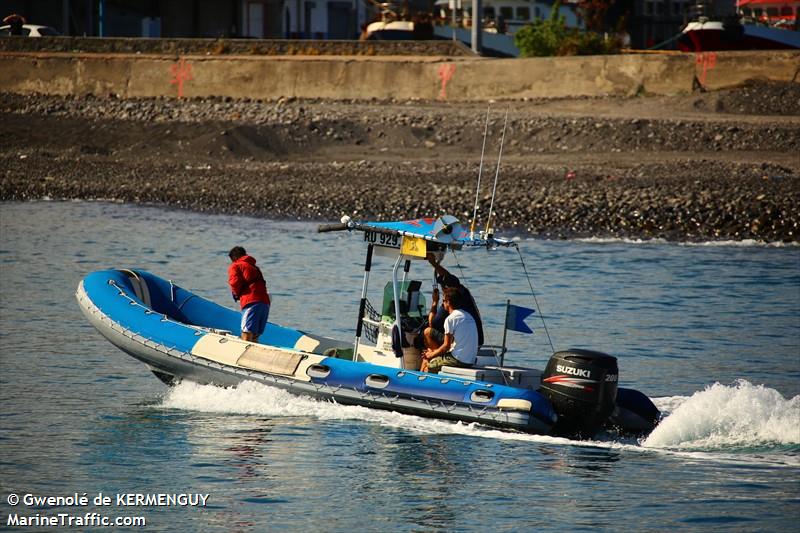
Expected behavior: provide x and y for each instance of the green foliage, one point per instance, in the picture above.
(578, 43)
(542, 37)
(551, 37)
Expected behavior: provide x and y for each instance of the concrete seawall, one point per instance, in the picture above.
(358, 77)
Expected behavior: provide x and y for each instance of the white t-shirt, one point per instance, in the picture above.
(461, 326)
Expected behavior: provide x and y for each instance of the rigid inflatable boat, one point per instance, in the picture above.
(182, 336)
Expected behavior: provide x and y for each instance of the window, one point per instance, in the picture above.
(648, 8)
(537, 12)
(786, 11)
(488, 12)
(772, 11)
(677, 8)
(507, 12)
(523, 13)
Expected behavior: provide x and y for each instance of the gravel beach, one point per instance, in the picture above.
(705, 166)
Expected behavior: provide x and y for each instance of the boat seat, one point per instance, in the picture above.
(270, 360)
(490, 375)
(526, 378)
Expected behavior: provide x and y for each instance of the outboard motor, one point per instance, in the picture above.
(582, 386)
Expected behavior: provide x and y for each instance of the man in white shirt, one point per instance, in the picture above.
(460, 346)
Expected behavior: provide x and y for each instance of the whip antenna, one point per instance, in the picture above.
(535, 301)
(480, 170)
(497, 173)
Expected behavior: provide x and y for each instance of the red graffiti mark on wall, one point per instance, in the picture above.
(181, 72)
(707, 61)
(446, 72)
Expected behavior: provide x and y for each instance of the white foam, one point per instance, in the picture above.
(622, 240)
(722, 417)
(745, 243)
(251, 398)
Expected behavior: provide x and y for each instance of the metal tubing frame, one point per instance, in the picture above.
(396, 290)
(362, 305)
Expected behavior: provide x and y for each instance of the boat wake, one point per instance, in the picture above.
(725, 417)
(739, 422)
(252, 398)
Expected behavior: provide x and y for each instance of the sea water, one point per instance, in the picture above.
(710, 332)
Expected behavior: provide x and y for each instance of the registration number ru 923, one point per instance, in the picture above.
(382, 239)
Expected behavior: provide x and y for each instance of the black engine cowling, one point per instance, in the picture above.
(582, 386)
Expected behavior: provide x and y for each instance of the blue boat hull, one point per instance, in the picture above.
(177, 334)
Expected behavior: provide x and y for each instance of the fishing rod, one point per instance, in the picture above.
(497, 173)
(480, 171)
(488, 227)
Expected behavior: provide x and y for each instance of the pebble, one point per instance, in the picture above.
(677, 199)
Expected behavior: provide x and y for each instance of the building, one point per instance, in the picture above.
(259, 19)
(505, 16)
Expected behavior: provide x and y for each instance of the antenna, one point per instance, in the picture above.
(497, 173)
(480, 170)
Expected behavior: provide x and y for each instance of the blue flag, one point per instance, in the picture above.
(515, 318)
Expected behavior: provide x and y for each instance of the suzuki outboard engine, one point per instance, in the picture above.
(582, 386)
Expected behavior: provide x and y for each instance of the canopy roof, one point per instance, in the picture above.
(445, 230)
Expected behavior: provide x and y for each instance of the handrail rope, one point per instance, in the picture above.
(165, 318)
(535, 300)
(180, 307)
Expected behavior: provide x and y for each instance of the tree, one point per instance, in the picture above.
(551, 37)
(542, 37)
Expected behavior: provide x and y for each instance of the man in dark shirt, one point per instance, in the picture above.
(433, 335)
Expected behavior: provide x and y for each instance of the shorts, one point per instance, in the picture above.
(436, 335)
(254, 318)
(448, 359)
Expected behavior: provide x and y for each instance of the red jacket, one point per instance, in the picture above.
(246, 281)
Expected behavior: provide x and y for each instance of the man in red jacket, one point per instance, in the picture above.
(250, 290)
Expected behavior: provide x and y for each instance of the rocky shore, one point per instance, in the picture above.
(707, 166)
